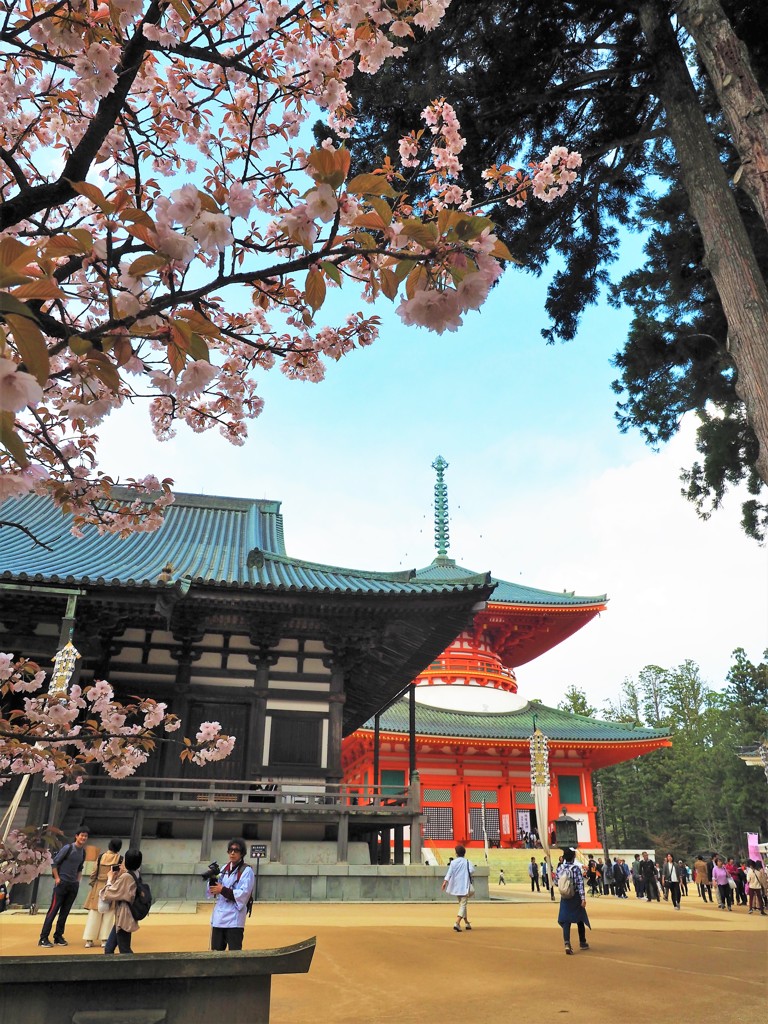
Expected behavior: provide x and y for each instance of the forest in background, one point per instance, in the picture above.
(696, 795)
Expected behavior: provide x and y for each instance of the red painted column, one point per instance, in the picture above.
(506, 807)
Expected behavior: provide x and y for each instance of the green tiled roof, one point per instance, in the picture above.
(509, 725)
(218, 541)
(445, 569)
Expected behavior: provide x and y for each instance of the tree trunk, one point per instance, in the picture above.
(728, 252)
(745, 107)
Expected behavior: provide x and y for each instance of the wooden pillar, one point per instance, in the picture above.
(137, 828)
(399, 844)
(385, 850)
(206, 844)
(373, 847)
(414, 804)
(336, 701)
(184, 657)
(376, 743)
(275, 849)
(254, 761)
(411, 731)
(459, 808)
(506, 809)
(342, 841)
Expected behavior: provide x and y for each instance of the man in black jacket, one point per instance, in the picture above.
(649, 874)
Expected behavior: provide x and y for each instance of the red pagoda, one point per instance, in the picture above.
(466, 730)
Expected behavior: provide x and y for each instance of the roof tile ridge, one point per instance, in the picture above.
(559, 594)
(398, 576)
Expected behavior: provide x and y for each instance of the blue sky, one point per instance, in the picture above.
(543, 488)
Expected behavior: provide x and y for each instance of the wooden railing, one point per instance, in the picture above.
(246, 795)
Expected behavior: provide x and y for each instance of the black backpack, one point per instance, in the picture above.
(142, 901)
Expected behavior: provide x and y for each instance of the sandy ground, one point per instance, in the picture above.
(404, 963)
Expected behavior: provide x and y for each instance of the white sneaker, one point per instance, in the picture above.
(88, 944)
(103, 943)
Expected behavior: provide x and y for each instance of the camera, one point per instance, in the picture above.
(211, 873)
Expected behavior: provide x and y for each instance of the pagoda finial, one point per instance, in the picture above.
(442, 542)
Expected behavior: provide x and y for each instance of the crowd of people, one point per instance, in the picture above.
(726, 880)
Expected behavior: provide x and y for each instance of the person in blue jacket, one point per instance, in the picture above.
(232, 891)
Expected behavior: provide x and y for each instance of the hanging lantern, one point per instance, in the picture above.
(539, 759)
(63, 666)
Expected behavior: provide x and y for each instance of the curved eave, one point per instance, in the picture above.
(520, 633)
(330, 582)
(519, 741)
(555, 609)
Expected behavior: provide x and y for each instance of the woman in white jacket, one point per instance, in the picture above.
(458, 883)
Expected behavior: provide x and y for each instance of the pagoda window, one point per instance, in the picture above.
(392, 782)
(438, 823)
(296, 741)
(437, 796)
(569, 789)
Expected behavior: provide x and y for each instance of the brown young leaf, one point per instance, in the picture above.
(11, 441)
(94, 193)
(31, 346)
(314, 289)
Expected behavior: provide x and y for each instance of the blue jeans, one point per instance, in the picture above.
(120, 940)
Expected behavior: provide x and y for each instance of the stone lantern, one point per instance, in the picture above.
(566, 830)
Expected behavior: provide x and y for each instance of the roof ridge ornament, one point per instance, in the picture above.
(442, 541)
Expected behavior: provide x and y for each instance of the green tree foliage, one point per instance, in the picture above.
(698, 794)
(524, 76)
(575, 701)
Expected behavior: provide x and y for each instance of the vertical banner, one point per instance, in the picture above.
(752, 848)
(540, 789)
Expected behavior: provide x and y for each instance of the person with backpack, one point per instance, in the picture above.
(131, 899)
(67, 869)
(233, 890)
(569, 881)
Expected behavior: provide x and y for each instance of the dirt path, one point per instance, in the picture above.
(385, 963)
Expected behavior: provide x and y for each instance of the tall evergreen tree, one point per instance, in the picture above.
(612, 80)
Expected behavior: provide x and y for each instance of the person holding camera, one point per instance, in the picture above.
(232, 888)
(120, 890)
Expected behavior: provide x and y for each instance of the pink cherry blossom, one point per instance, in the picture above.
(17, 388)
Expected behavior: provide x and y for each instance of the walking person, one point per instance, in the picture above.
(671, 878)
(573, 909)
(99, 923)
(755, 889)
(682, 874)
(502, 879)
(721, 879)
(650, 874)
(545, 875)
(67, 870)
(637, 878)
(702, 879)
(233, 889)
(121, 890)
(592, 879)
(533, 874)
(713, 884)
(458, 883)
